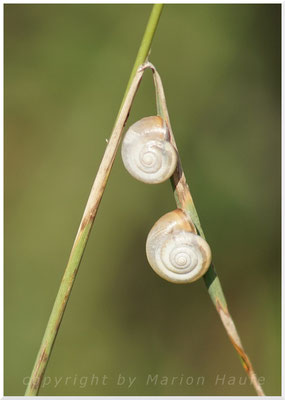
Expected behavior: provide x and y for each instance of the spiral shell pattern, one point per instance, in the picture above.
(175, 251)
(146, 151)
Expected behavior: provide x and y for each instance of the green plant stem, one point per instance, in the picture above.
(144, 48)
(91, 210)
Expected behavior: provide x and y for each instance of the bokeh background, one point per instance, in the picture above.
(66, 69)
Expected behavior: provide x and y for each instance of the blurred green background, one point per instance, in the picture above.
(66, 69)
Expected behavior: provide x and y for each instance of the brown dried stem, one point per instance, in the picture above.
(184, 201)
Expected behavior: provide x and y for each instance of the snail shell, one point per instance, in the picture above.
(174, 251)
(146, 151)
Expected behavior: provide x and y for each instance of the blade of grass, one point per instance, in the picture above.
(91, 209)
(184, 201)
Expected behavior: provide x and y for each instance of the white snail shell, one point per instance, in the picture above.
(146, 151)
(174, 251)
